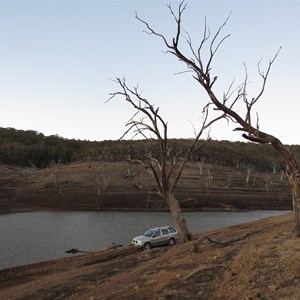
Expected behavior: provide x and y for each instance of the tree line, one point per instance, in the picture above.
(31, 148)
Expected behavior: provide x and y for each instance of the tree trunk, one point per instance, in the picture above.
(294, 180)
(179, 220)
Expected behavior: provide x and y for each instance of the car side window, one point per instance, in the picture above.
(172, 229)
(156, 233)
(165, 231)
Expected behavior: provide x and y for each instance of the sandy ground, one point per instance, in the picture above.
(265, 264)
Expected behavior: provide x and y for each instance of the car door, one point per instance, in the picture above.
(165, 233)
(156, 238)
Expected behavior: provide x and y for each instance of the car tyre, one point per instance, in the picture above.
(147, 246)
(171, 242)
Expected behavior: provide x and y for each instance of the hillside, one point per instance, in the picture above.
(265, 264)
(29, 148)
(116, 186)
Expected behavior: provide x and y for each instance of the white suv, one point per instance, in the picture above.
(166, 235)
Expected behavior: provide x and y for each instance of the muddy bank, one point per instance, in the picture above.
(113, 186)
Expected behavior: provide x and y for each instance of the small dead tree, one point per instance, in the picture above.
(267, 183)
(275, 165)
(200, 64)
(165, 169)
(250, 168)
(59, 182)
(209, 175)
(228, 183)
(102, 184)
(200, 166)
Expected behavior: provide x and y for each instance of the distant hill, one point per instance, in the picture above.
(31, 148)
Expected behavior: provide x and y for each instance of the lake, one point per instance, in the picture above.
(38, 236)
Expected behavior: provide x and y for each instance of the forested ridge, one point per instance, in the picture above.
(32, 148)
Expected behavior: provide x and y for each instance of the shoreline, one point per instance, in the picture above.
(129, 246)
(264, 265)
(209, 209)
(228, 219)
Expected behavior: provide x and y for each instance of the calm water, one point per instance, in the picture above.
(38, 236)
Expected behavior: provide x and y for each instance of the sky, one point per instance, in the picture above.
(58, 60)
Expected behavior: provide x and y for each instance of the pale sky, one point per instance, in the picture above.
(57, 59)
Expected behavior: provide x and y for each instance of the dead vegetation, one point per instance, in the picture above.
(115, 186)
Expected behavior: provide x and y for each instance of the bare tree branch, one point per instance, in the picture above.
(195, 62)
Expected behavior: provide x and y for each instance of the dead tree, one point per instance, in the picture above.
(275, 165)
(200, 64)
(200, 165)
(165, 169)
(250, 168)
(56, 172)
(102, 184)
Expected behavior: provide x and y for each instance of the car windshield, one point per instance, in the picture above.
(149, 232)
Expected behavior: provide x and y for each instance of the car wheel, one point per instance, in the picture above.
(147, 246)
(171, 242)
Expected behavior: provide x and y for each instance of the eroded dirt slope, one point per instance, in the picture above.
(116, 186)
